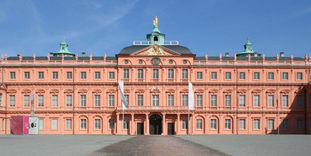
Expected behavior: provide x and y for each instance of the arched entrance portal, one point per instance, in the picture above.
(155, 124)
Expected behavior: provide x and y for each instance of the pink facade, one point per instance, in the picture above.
(232, 95)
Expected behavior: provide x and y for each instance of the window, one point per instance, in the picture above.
(111, 100)
(97, 100)
(83, 124)
(285, 124)
(69, 75)
(214, 100)
(0, 100)
(242, 100)
(199, 75)
(256, 75)
(126, 74)
(242, 124)
(40, 100)
(170, 100)
(256, 124)
(299, 100)
(12, 100)
(155, 100)
(40, 75)
(55, 75)
(41, 124)
(125, 124)
(68, 123)
(270, 76)
(54, 124)
(68, 100)
(184, 124)
(111, 75)
(111, 124)
(97, 75)
(270, 124)
(12, 75)
(26, 100)
(140, 100)
(227, 124)
(140, 74)
(242, 76)
(285, 100)
(270, 100)
(27, 75)
(83, 75)
(256, 100)
(127, 97)
(54, 100)
(299, 124)
(299, 76)
(83, 100)
(97, 124)
(199, 100)
(184, 100)
(155, 74)
(228, 75)
(184, 74)
(199, 124)
(214, 75)
(228, 100)
(285, 75)
(170, 74)
(213, 124)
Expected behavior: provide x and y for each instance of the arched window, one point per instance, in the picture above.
(155, 38)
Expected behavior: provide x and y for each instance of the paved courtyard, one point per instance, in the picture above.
(211, 145)
(256, 145)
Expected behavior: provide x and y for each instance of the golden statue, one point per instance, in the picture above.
(156, 22)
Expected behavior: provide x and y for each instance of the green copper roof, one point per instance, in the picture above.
(248, 47)
(63, 49)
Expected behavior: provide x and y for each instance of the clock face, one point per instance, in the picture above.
(155, 61)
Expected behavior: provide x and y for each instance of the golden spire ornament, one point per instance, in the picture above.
(156, 22)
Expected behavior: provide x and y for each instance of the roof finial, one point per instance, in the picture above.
(155, 22)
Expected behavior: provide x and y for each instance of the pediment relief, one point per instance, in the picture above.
(26, 91)
(256, 91)
(40, 91)
(54, 91)
(68, 91)
(111, 91)
(139, 91)
(170, 91)
(12, 91)
(271, 91)
(155, 50)
(213, 91)
(82, 91)
(285, 91)
(127, 91)
(96, 91)
(155, 90)
(199, 91)
(184, 91)
(242, 91)
(227, 91)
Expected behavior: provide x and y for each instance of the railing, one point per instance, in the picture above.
(150, 43)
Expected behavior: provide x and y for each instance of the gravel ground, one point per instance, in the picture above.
(55, 145)
(157, 146)
(255, 145)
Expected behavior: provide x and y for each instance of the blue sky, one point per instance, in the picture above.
(204, 26)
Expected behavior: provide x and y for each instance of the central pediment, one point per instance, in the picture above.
(155, 50)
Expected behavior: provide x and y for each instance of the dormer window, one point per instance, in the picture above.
(155, 38)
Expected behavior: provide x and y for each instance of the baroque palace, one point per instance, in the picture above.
(248, 93)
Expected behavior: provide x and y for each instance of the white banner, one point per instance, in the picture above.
(33, 125)
(123, 98)
(190, 97)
